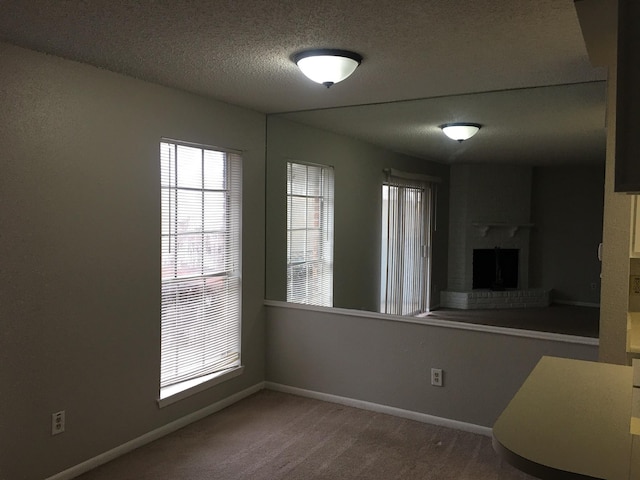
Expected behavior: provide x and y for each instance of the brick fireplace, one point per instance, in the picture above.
(490, 212)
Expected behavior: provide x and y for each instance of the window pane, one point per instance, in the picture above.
(314, 212)
(297, 246)
(215, 211)
(314, 245)
(309, 234)
(216, 256)
(214, 171)
(189, 172)
(297, 212)
(189, 208)
(314, 181)
(189, 255)
(168, 210)
(168, 257)
(298, 179)
(167, 164)
(201, 285)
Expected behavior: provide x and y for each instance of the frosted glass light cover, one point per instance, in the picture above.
(327, 69)
(460, 132)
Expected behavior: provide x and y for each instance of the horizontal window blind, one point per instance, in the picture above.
(309, 234)
(201, 282)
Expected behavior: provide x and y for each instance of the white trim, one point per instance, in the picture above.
(173, 393)
(427, 320)
(576, 304)
(376, 407)
(154, 434)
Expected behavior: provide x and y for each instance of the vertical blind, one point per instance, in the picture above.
(406, 246)
(201, 282)
(309, 234)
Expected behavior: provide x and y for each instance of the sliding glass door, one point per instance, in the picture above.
(406, 247)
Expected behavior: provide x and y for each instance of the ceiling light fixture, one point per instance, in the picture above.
(460, 131)
(327, 66)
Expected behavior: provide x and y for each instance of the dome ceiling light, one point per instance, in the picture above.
(460, 131)
(327, 66)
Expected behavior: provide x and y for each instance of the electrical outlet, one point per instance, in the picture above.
(594, 285)
(57, 422)
(635, 284)
(436, 377)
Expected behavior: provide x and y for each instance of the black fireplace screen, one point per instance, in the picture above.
(495, 268)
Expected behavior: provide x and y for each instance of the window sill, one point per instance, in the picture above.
(174, 393)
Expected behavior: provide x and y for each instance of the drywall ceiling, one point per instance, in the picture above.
(240, 51)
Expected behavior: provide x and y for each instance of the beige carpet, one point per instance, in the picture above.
(273, 435)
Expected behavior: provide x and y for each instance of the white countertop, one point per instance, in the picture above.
(570, 419)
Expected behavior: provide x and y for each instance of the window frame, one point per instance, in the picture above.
(226, 294)
(319, 265)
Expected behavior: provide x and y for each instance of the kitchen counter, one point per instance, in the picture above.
(570, 419)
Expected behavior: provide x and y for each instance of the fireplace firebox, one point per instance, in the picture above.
(495, 268)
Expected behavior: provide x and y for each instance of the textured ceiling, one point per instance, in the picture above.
(240, 51)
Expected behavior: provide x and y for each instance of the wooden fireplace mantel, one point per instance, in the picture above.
(512, 228)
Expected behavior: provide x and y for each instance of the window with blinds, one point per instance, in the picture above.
(309, 234)
(406, 246)
(201, 282)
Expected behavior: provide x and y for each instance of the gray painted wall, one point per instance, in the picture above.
(358, 186)
(388, 362)
(80, 249)
(567, 210)
(79, 279)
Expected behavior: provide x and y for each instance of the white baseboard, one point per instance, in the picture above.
(376, 407)
(154, 435)
(576, 304)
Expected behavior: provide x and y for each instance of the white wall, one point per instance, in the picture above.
(80, 250)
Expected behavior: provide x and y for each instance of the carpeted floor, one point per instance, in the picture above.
(566, 319)
(272, 436)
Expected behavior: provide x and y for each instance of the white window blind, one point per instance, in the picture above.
(201, 282)
(406, 246)
(309, 234)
